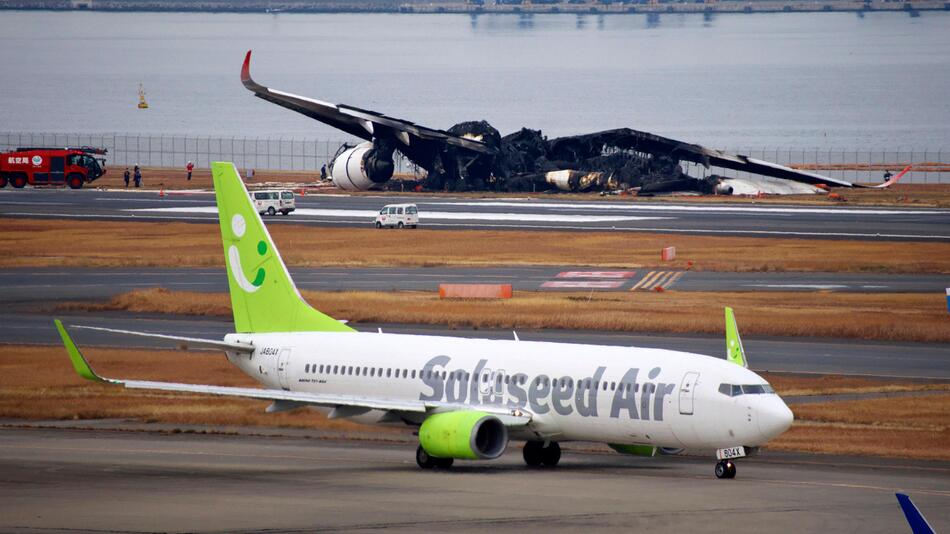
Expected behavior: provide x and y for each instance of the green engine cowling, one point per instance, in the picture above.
(635, 450)
(466, 435)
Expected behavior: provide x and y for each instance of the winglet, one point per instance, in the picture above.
(734, 351)
(246, 68)
(246, 79)
(916, 520)
(79, 362)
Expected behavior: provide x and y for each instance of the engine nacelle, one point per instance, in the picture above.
(634, 450)
(361, 168)
(466, 435)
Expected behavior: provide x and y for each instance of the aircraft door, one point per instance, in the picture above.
(687, 387)
(283, 368)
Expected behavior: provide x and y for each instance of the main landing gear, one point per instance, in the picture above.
(725, 469)
(430, 462)
(535, 453)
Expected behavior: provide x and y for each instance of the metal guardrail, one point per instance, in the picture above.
(310, 154)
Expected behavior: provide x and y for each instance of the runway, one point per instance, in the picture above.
(762, 220)
(96, 481)
(56, 284)
(798, 355)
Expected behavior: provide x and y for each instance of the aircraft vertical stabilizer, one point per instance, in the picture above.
(734, 351)
(263, 296)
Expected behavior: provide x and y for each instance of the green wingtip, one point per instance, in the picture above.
(79, 363)
(734, 351)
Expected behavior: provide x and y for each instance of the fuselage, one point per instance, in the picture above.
(623, 395)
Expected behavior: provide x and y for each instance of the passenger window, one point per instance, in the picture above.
(399, 211)
(392, 211)
(413, 373)
(321, 368)
(336, 369)
(412, 210)
(389, 373)
(383, 211)
(286, 195)
(306, 368)
(260, 196)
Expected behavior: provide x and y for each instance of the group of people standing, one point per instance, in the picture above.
(137, 174)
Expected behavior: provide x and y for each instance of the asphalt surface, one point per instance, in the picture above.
(96, 481)
(799, 355)
(763, 220)
(53, 284)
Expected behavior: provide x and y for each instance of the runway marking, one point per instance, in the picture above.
(680, 207)
(802, 286)
(588, 284)
(423, 216)
(596, 274)
(655, 279)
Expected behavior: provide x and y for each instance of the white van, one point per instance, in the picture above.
(398, 216)
(271, 201)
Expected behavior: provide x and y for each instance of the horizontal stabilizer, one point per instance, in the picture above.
(191, 341)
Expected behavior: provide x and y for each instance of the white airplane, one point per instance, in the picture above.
(468, 397)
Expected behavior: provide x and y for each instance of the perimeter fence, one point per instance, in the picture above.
(263, 153)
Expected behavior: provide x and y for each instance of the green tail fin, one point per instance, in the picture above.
(263, 296)
(734, 351)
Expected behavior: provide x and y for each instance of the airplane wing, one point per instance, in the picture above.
(509, 417)
(358, 122)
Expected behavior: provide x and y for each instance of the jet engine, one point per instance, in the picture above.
(467, 435)
(361, 167)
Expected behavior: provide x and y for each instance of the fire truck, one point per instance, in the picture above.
(51, 166)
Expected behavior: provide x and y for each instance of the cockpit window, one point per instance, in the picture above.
(734, 390)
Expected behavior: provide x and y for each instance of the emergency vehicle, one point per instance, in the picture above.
(51, 166)
(271, 201)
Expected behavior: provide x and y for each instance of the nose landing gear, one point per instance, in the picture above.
(725, 469)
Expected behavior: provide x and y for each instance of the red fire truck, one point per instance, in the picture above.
(51, 166)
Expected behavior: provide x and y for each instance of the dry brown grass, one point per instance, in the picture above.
(43, 243)
(797, 384)
(911, 427)
(38, 382)
(881, 316)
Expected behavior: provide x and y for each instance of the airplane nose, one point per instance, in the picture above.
(774, 417)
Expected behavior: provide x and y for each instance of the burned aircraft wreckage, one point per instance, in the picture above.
(473, 156)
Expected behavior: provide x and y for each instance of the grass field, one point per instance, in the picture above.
(879, 316)
(56, 243)
(38, 383)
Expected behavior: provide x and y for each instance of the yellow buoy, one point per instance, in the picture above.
(142, 103)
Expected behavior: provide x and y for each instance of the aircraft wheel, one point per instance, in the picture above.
(444, 463)
(725, 469)
(271, 211)
(551, 454)
(532, 453)
(424, 460)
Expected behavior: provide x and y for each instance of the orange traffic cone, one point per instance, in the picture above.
(161, 193)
